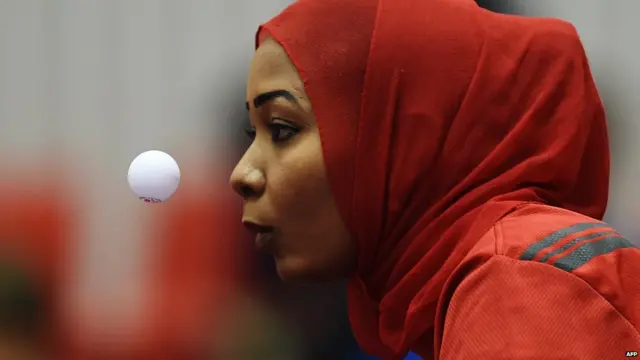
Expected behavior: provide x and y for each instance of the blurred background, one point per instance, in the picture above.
(87, 271)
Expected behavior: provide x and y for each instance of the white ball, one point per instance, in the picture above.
(154, 176)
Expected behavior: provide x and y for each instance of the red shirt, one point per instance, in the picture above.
(543, 283)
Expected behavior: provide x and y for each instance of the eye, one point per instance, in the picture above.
(281, 132)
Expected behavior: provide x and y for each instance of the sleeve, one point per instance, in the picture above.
(514, 309)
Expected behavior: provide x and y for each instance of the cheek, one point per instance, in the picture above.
(297, 186)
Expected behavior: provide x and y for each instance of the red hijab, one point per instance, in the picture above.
(437, 118)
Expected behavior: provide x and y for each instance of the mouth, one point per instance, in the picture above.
(265, 235)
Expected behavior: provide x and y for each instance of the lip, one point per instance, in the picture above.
(265, 242)
(256, 227)
(265, 235)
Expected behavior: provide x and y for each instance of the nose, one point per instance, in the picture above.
(247, 181)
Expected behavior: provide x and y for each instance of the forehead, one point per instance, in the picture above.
(272, 69)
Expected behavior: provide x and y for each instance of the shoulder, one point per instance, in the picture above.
(542, 276)
(552, 235)
(557, 237)
(571, 245)
(510, 308)
(549, 252)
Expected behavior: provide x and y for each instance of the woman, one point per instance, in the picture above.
(453, 164)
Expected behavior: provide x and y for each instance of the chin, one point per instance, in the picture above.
(298, 271)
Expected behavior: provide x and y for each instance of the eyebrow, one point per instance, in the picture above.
(272, 95)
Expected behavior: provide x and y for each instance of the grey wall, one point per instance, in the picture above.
(88, 84)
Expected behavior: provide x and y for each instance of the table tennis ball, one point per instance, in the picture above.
(154, 176)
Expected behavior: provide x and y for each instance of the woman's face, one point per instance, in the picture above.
(282, 179)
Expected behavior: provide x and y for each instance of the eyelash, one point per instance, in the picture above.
(276, 129)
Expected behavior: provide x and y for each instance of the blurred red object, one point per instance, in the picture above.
(35, 222)
(194, 270)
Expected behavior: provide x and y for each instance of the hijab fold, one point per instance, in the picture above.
(437, 118)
